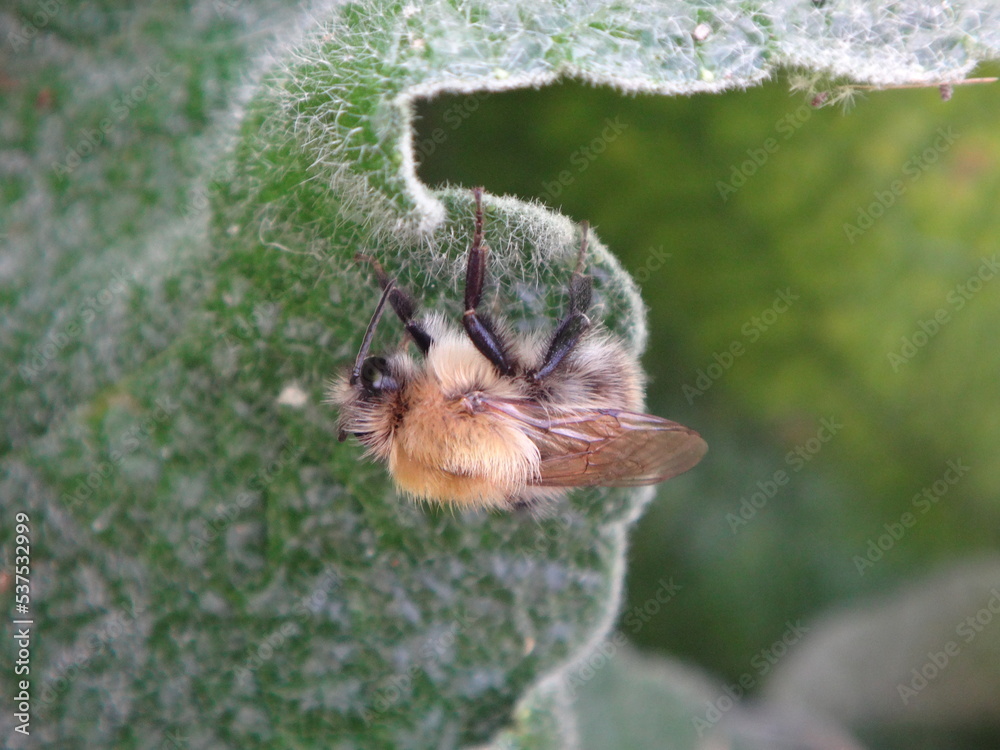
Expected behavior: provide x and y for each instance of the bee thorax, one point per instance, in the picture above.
(451, 447)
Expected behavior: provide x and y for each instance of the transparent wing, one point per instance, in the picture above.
(603, 447)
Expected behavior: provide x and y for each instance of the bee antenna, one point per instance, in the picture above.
(370, 333)
(585, 228)
(380, 274)
(477, 193)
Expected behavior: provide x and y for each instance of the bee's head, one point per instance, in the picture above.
(375, 377)
(367, 397)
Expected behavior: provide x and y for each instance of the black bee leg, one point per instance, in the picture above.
(566, 337)
(479, 327)
(576, 323)
(521, 505)
(404, 305)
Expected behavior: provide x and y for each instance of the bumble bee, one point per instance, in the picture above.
(489, 419)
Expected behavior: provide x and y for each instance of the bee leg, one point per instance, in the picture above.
(480, 328)
(521, 505)
(403, 304)
(564, 340)
(580, 284)
(487, 341)
(576, 323)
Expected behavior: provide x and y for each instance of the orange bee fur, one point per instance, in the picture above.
(489, 419)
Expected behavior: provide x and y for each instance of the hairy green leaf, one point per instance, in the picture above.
(210, 567)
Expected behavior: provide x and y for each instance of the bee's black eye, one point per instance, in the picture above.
(375, 375)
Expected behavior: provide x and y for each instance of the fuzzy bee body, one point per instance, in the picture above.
(446, 439)
(486, 418)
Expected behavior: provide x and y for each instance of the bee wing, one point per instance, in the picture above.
(604, 447)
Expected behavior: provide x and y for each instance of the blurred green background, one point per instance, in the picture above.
(722, 207)
(870, 219)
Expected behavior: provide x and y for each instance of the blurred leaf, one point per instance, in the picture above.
(905, 663)
(208, 567)
(625, 699)
(617, 698)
